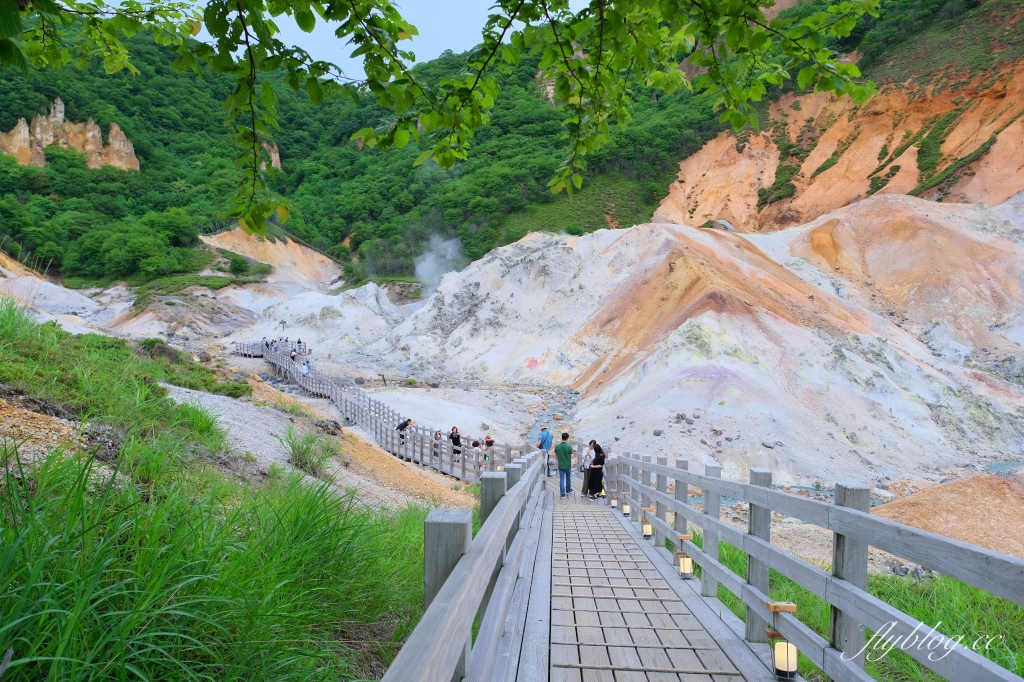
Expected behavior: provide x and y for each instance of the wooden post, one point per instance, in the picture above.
(645, 480)
(447, 535)
(712, 503)
(681, 489)
(759, 525)
(634, 473)
(515, 472)
(492, 489)
(659, 508)
(850, 563)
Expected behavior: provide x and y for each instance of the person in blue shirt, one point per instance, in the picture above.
(544, 444)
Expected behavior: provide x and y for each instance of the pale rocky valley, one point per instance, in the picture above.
(807, 298)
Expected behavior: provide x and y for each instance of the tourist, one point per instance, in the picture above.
(585, 468)
(563, 452)
(544, 444)
(596, 471)
(437, 443)
(402, 426)
(488, 444)
(455, 438)
(305, 366)
(298, 344)
(292, 355)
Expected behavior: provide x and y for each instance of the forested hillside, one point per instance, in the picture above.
(372, 210)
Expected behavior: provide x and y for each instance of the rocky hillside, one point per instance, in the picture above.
(28, 143)
(947, 125)
(880, 339)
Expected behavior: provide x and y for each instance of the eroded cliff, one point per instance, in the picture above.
(28, 142)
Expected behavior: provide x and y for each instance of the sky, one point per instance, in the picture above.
(443, 25)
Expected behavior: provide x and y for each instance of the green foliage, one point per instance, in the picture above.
(880, 181)
(170, 569)
(105, 223)
(240, 265)
(95, 375)
(592, 59)
(930, 146)
(781, 189)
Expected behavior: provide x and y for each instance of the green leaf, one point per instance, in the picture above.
(559, 186)
(305, 19)
(10, 55)
(577, 180)
(423, 158)
(314, 91)
(10, 19)
(806, 77)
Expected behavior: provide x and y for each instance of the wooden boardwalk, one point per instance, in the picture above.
(567, 589)
(616, 616)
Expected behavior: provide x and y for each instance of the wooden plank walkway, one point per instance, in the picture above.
(614, 617)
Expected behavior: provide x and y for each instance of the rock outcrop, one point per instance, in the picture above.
(27, 142)
(963, 143)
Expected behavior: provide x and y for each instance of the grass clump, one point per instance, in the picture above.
(155, 565)
(291, 407)
(309, 452)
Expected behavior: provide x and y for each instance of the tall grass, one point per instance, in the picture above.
(309, 452)
(171, 569)
(197, 580)
(958, 610)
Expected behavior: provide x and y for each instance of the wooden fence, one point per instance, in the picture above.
(416, 444)
(491, 575)
(854, 529)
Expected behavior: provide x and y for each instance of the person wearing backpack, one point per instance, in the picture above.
(563, 452)
(544, 445)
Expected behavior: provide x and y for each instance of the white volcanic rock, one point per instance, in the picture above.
(760, 334)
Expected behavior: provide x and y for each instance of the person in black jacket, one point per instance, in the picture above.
(455, 438)
(596, 471)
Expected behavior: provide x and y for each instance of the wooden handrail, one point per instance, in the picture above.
(379, 420)
(993, 572)
(435, 647)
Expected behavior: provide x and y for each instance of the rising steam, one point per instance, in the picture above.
(441, 256)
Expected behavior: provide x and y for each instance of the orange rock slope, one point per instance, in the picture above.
(876, 149)
(292, 261)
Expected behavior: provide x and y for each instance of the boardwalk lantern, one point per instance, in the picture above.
(645, 525)
(625, 508)
(784, 652)
(684, 561)
(614, 502)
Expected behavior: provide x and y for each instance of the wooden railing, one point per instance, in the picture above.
(854, 529)
(416, 444)
(491, 575)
